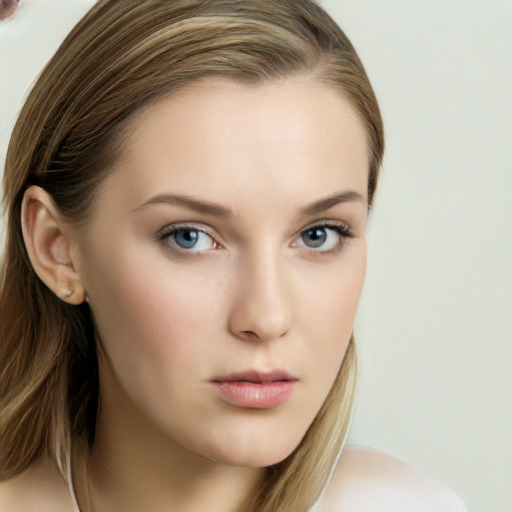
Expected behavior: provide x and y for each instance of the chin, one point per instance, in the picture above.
(253, 453)
(256, 460)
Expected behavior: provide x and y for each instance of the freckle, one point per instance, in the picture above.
(8, 8)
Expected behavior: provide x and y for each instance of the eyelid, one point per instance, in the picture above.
(170, 228)
(342, 227)
(328, 223)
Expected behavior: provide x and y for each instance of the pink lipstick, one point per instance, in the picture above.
(256, 389)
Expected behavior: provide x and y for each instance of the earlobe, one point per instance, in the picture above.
(48, 244)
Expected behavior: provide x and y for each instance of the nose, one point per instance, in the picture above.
(262, 309)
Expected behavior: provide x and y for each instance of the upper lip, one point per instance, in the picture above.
(257, 376)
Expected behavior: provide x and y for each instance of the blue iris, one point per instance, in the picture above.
(314, 237)
(186, 238)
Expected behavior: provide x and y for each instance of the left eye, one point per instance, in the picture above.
(191, 239)
(323, 238)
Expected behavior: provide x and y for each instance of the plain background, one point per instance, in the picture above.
(435, 324)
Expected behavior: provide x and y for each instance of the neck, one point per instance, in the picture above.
(132, 465)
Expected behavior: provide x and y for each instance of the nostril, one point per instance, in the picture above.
(250, 335)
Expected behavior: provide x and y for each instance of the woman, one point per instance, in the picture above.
(187, 190)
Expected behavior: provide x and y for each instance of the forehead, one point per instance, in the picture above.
(221, 138)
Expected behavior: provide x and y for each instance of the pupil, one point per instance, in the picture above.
(186, 238)
(314, 237)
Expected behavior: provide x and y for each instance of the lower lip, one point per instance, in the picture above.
(252, 395)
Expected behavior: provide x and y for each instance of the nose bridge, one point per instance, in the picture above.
(262, 307)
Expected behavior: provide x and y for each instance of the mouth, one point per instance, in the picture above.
(257, 377)
(255, 389)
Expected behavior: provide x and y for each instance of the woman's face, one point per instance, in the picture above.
(223, 264)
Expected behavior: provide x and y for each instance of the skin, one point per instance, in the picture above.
(257, 291)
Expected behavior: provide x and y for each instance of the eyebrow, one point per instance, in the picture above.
(192, 203)
(329, 202)
(217, 210)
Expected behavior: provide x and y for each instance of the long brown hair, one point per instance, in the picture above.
(120, 58)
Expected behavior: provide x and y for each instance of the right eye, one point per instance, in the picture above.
(189, 239)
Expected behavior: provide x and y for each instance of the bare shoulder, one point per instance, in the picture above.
(370, 481)
(40, 488)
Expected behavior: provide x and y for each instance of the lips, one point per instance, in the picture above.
(253, 389)
(257, 377)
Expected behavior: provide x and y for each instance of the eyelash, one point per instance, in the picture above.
(340, 228)
(343, 231)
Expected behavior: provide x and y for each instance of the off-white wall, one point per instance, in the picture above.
(435, 326)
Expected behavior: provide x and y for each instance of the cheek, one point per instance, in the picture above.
(150, 317)
(333, 298)
(329, 318)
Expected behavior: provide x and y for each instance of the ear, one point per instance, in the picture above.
(48, 242)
